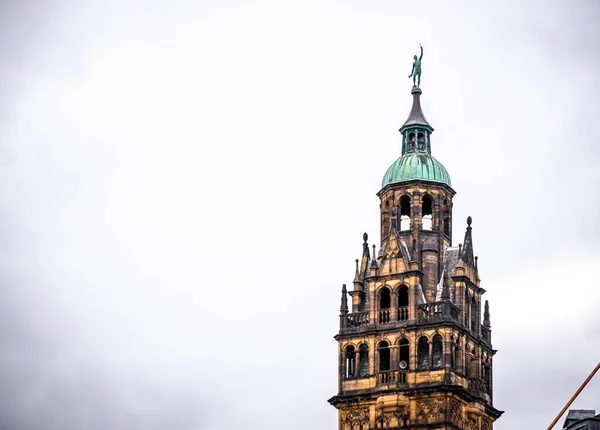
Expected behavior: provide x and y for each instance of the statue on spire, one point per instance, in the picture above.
(416, 70)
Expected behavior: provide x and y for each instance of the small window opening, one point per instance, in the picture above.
(384, 356)
(437, 352)
(350, 361)
(447, 225)
(468, 312)
(421, 142)
(411, 142)
(473, 314)
(403, 296)
(404, 363)
(363, 363)
(385, 299)
(427, 213)
(453, 348)
(423, 353)
(468, 365)
(404, 213)
(394, 217)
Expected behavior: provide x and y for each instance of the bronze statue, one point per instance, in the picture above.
(416, 70)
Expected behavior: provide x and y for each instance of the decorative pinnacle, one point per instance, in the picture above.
(356, 273)
(486, 315)
(469, 221)
(344, 306)
(446, 288)
(374, 259)
(365, 245)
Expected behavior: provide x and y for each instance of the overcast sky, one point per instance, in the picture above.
(184, 189)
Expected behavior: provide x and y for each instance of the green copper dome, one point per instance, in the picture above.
(416, 165)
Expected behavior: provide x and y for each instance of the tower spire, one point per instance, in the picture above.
(416, 117)
(467, 250)
(416, 131)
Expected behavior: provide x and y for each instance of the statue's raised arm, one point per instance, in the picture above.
(421, 57)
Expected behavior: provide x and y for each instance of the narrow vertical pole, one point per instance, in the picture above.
(574, 397)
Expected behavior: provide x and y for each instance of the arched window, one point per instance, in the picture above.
(402, 311)
(487, 375)
(453, 351)
(385, 298)
(421, 142)
(427, 213)
(404, 363)
(385, 302)
(350, 361)
(423, 353)
(447, 225)
(384, 356)
(404, 213)
(473, 314)
(467, 310)
(468, 359)
(363, 360)
(411, 142)
(437, 352)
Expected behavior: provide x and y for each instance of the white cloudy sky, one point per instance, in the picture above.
(184, 186)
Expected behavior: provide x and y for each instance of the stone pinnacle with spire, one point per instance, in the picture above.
(344, 306)
(486, 315)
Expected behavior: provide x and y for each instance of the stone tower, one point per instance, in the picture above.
(412, 349)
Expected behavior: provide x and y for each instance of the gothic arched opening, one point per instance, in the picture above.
(384, 356)
(437, 352)
(402, 311)
(473, 314)
(363, 360)
(385, 298)
(404, 213)
(427, 213)
(350, 361)
(404, 363)
(423, 353)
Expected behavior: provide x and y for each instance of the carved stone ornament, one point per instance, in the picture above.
(356, 417)
(472, 424)
(456, 413)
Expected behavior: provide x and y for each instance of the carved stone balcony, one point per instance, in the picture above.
(437, 311)
(478, 384)
(384, 316)
(391, 377)
(357, 319)
(402, 313)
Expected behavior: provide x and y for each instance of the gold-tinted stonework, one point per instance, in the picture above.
(412, 349)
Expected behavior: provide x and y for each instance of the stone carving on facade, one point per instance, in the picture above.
(472, 424)
(486, 425)
(456, 413)
(430, 410)
(354, 418)
(398, 418)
